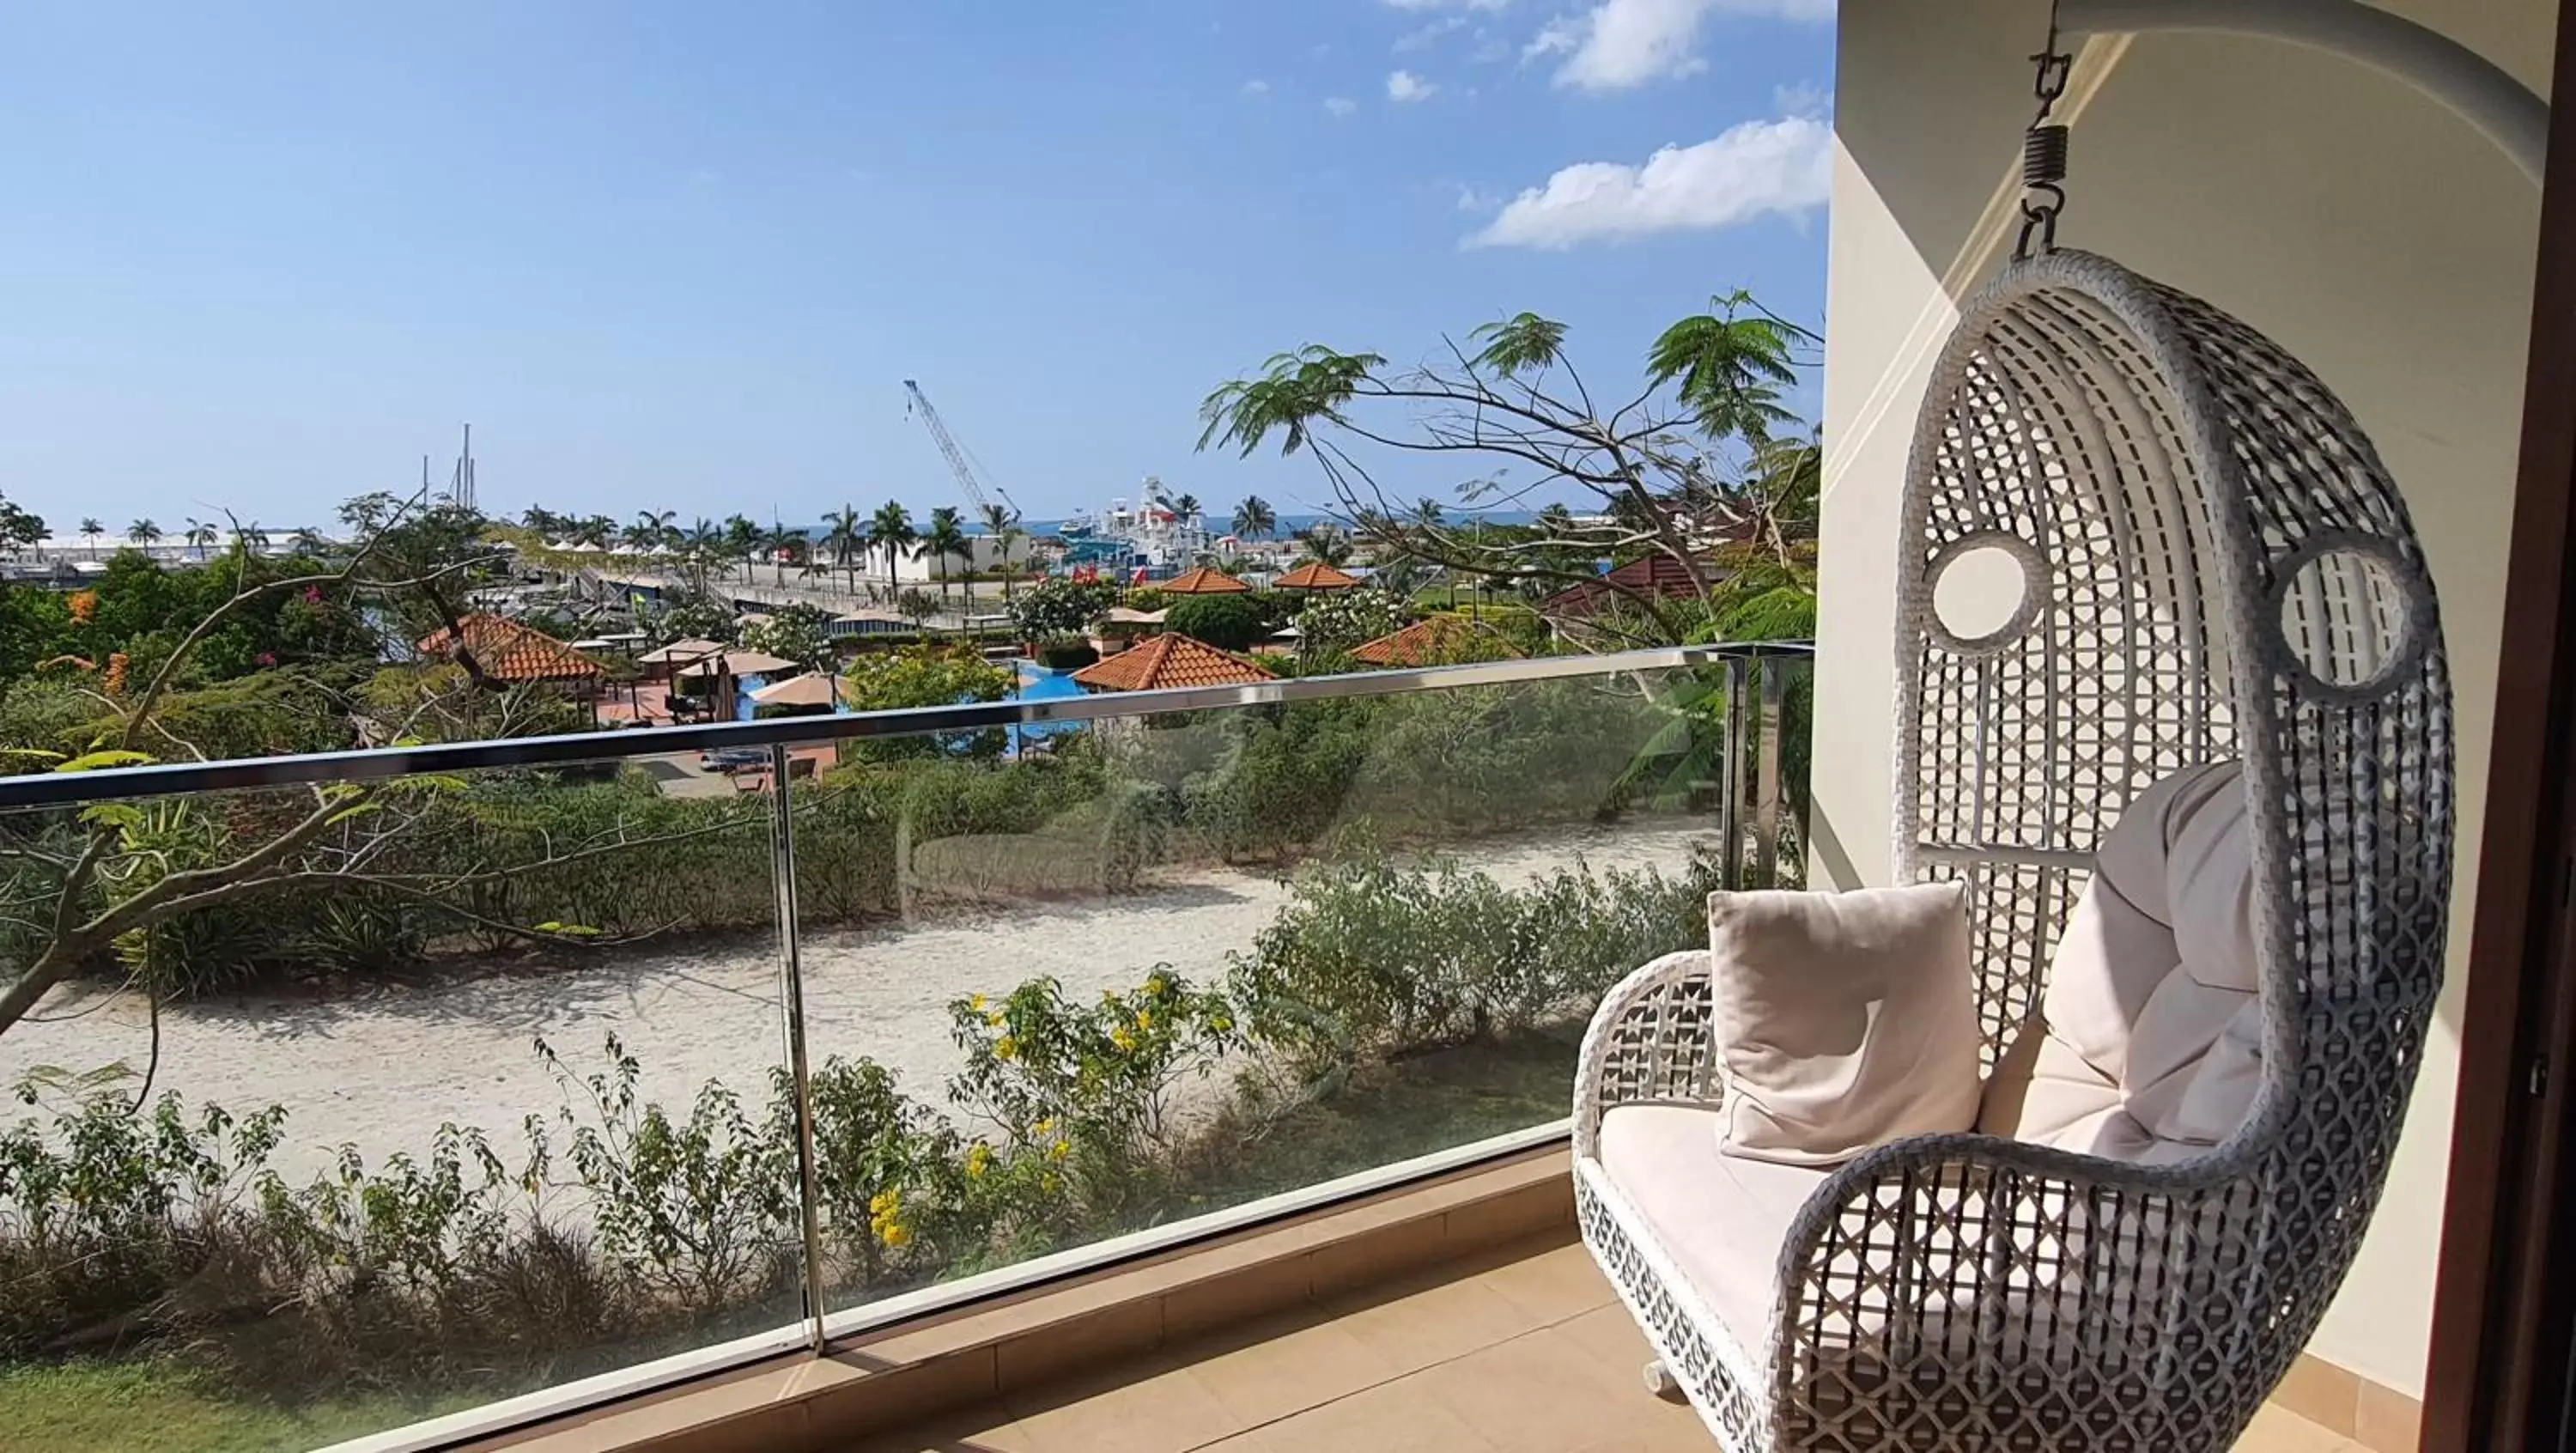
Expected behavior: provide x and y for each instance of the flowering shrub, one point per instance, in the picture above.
(1088, 1087)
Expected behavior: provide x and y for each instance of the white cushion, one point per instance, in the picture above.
(1844, 1020)
(2152, 1019)
(1720, 1217)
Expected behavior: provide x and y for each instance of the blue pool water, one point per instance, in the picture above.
(1037, 683)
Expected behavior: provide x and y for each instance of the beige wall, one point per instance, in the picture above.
(2374, 235)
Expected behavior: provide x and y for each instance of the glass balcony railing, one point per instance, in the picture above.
(419, 1092)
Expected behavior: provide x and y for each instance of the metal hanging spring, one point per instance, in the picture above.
(2043, 151)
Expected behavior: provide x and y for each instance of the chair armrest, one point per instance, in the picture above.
(1651, 1040)
(1935, 1251)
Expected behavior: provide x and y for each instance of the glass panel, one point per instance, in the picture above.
(475, 1098)
(1069, 983)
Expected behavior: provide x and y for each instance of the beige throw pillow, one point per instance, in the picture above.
(1845, 1019)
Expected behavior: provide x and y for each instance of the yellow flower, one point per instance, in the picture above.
(1144, 1019)
(885, 1203)
(1060, 1150)
(996, 1018)
(1157, 984)
(1121, 1038)
(1049, 1182)
(1045, 1126)
(1005, 1047)
(894, 1233)
(975, 1002)
(979, 1160)
(1220, 1023)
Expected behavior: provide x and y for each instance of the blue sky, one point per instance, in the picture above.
(264, 256)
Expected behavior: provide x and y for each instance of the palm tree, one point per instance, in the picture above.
(200, 535)
(890, 530)
(1003, 524)
(1324, 544)
(782, 542)
(543, 521)
(90, 530)
(1187, 507)
(594, 531)
(847, 539)
(144, 533)
(307, 542)
(703, 542)
(1253, 519)
(744, 538)
(947, 537)
(654, 531)
(252, 535)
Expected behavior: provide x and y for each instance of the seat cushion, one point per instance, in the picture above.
(2150, 1039)
(1720, 1217)
(1844, 1020)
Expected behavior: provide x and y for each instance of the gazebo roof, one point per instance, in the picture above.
(1659, 575)
(1203, 580)
(810, 689)
(1169, 660)
(1433, 638)
(1316, 575)
(688, 650)
(509, 651)
(740, 663)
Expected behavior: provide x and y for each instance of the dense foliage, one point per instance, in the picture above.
(1061, 607)
(1227, 622)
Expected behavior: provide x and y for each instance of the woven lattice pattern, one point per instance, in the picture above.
(2215, 565)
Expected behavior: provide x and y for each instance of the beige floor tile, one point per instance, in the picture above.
(1609, 1335)
(985, 1430)
(1394, 1417)
(1286, 1365)
(2275, 1430)
(1434, 1324)
(1148, 1406)
(1541, 1393)
(1552, 1283)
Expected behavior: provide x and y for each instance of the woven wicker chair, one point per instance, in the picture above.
(2217, 567)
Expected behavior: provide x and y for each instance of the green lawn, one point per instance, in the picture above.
(103, 1407)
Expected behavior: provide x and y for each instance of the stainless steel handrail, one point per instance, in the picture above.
(375, 764)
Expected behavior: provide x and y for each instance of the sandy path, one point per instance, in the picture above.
(383, 1069)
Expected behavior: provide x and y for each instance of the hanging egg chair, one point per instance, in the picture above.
(2220, 708)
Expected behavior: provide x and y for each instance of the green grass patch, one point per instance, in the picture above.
(113, 1407)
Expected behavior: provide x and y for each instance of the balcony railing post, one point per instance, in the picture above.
(1731, 801)
(791, 973)
(1766, 782)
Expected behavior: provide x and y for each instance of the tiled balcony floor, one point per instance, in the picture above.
(1522, 1351)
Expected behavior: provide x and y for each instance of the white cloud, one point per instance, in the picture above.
(1802, 99)
(1622, 43)
(1403, 87)
(1429, 35)
(1759, 168)
(1338, 106)
(1471, 200)
(1256, 87)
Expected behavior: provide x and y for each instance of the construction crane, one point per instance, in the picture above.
(967, 483)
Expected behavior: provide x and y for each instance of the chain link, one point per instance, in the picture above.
(2043, 150)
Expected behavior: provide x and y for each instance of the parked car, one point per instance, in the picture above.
(733, 759)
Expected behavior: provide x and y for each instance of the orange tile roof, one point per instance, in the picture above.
(1169, 660)
(1204, 580)
(509, 651)
(1431, 639)
(1316, 575)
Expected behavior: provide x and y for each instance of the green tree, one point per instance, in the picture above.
(1324, 544)
(1187, 507)
(1517, 401)
(945, 540)
(1003, 524)
(798, 633)
(19, 528)
(90, 530)
(785, 545)
(1227, 622)
(1730, 365)
(917, 606)
(846, 537)
(1337, 620)
(744, 539)
(1254, 519)
(201, 536)
(891, 531)
(144, 533)
(1061, 607)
